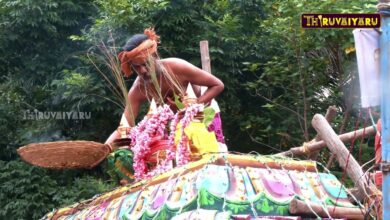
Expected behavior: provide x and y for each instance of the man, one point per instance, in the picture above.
(160, 79)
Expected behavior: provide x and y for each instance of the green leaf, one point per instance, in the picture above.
(209, 114)
(267, 105)
(178, 103)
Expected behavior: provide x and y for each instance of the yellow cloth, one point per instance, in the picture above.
(200, 138)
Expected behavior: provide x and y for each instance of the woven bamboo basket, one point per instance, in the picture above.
(65, 154)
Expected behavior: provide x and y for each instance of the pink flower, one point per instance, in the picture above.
(157, 125)
(142, 134)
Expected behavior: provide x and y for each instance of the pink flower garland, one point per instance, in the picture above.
(142, 134)
(183, 151)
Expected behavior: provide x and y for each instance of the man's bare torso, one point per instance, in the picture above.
(167, 91)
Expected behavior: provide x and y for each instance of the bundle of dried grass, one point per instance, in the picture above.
(65, 154)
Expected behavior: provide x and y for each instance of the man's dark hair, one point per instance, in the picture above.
(134, 41)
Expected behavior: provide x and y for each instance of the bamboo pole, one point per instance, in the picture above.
(315, 146)
(298, 207)
(345, 159)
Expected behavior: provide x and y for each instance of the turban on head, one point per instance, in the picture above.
(140, 53)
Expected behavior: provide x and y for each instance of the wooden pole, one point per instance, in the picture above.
(310, 147)
(330, 161)
(342, 127)
(329, 116)
(206, 66)
(298, 207)
(345, 159)
(205, 56)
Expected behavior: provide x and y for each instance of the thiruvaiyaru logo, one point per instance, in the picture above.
(341, 20)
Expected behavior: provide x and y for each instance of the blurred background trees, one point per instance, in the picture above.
(276, 75)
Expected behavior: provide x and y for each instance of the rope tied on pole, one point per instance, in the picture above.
(306, 145)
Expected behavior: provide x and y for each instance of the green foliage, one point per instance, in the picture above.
(39, 72)
(306, 70)
(11, 101)
(77, 91)
(276, 77)
(33, 36)
(35, 49)
(28, 192)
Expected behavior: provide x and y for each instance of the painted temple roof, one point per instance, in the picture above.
(224, 187)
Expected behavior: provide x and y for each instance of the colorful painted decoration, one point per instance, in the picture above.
(120, 165)
(221, 187)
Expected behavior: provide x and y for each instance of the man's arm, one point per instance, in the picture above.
(196, 76)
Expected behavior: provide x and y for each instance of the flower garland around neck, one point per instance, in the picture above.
(141, 136)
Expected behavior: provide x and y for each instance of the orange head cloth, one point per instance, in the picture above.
(140, 53)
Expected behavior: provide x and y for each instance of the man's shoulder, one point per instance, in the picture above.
(177, 65)
(173, 61)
